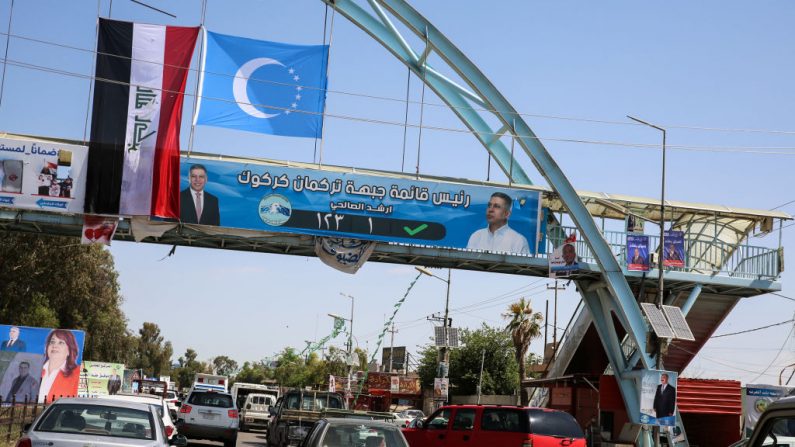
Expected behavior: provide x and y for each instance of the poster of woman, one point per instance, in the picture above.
(60, 374)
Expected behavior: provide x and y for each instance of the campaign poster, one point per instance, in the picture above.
(634, 224)
(274, 198)
(658, 398)
(674, 250)
(440, 388)
(42, 175)
(127, 380)
(100, 379)
(637, 253)
(38, 363)
(564, 260)
(756, 399)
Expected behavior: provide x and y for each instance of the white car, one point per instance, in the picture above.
(98, 422)
(157, 402)
(404, 418)
(171, 400)
(208, 414)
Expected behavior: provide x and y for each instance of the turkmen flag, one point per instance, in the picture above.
(261, 86)
(133, 155)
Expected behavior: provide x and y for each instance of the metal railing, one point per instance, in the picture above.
(14, 415)
(704, 257)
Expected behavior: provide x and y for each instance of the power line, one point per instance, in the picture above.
(782, 205)
(407, 101)
(782, 296)
(746, 150)
(754, 329)
(777, 354)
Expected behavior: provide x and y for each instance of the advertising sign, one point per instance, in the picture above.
(440, 388)
(101, 379)
(394, 384)
(637, 253)
(658, 398)
(38, 362)
(674, 252)
(399, 353)
(757, 398)
(273, 198)
(42, 175)
(564, 260)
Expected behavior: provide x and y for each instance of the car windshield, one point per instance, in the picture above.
(312, 402)
(554, 423)
(207, 399)
(362, 435)
(171, 395)
(98, 420)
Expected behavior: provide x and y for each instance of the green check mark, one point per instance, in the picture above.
(415, 230)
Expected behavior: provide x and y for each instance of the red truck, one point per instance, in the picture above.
(474, 425)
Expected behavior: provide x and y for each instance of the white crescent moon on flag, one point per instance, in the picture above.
(239, 85)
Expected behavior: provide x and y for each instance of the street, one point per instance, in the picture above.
(251, 438)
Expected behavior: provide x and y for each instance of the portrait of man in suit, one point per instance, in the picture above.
(197, 206)
(24, 388)
(664, 398)
(13, 343)
(672, 254)
(638, 258)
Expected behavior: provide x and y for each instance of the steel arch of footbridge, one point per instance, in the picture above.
(491, 103)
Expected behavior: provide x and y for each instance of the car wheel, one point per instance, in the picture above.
(243, 427)
(231, 442)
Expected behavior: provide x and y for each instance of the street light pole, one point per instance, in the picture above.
(350, 347)
(660, 284)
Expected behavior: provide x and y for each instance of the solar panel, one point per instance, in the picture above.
(439, 337)
(657, 320)
(678, 323)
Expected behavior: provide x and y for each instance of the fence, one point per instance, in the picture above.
(15, 415)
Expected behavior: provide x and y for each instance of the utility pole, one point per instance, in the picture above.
(444, 351)
(392, 347)
(480, 378)
(555, 318)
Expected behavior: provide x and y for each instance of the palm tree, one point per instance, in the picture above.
(524, 326)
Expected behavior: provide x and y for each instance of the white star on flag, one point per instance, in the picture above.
(295, 78)
(291, 71)
(298, 97)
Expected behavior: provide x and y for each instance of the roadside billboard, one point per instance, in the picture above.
(38, 363)
(658, 398)
(756, 399)
(674, 250)
(101, 379)
(42, 175)
(267, 197)
(637, 253)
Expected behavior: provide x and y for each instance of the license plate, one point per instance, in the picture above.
(209, 416)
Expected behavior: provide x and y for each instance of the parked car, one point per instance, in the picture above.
(254, 412)
(353, 432)
(98, 422)
(468, 425)
(295, 413)
(208, 414)
(157, 402)
(776, 426)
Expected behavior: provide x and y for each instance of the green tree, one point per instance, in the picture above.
(54, 281)
(500, 371)
(524, 326)
(224, 366)
(152, 352)
(254, 372)
(188, 367)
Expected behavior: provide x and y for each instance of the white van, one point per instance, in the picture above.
(255, 411)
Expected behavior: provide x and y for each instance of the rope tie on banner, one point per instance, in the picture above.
(388, 322)
(339, 323)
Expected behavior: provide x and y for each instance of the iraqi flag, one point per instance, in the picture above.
(133, 157)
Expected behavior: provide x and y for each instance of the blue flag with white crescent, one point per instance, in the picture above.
(260, 86)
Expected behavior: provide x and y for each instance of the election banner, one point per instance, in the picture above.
(637, 253)
(42, 175)
(674, 251)
(658, 398)
(441, 386)
(38, 363)
(101, 379)
(564, 260)
(266, 197)
(756, 399)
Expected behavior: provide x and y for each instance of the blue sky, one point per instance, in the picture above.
(712, 64)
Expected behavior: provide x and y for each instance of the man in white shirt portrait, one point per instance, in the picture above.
(498, 236)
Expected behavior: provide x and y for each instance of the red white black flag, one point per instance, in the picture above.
(133, 158)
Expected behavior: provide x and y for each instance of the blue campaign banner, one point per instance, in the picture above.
(266, 197)
(637, 253)
(32, 356)
(658, 397)
(674, 249)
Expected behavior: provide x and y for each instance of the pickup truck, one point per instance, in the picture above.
(296, 411)
(775, 428)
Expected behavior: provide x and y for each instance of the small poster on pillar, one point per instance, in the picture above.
(658, 398)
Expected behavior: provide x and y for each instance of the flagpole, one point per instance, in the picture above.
(323, 113)
(199, 79)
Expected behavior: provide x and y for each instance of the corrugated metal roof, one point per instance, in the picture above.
(708, 396)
